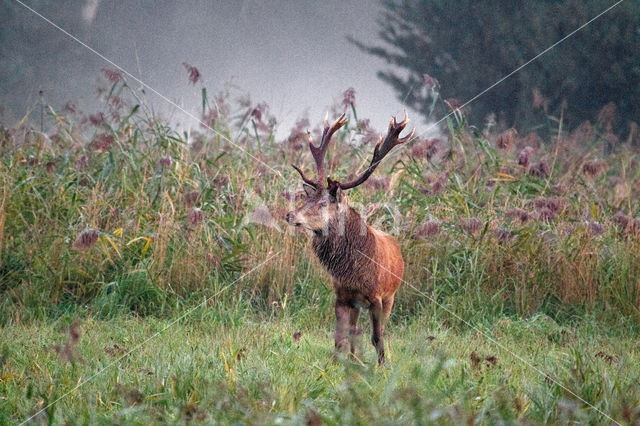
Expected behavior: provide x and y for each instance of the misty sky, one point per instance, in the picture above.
(292, 54)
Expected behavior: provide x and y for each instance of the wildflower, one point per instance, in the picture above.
(194, 73)
(102, 142)
(195, 217)
(297, 336)
(541, 169)
(583, 134)
(472, 225)
(538, 100)
(86, 239)
(191, 198)
(506, 139)
(70, 108)
(621, 219)
(166, 161)
(606, 116)
(503, 235)
(426, 149)
(220, 181)
(377, 183)
(298, 134)
(97, 119)
(82, 162)
(429, 81)
(545, 214)
(525, 156)
(595, 228)
(209, 119)
(349, 98)
(453, 103)
(50, 166)
(555, 204)
(593, 167)
(522, 215)
(113, 76)
(559, 189)
(428, 229)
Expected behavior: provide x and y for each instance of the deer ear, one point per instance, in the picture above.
(309, 190)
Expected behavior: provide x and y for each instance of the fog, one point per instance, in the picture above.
(293, 55)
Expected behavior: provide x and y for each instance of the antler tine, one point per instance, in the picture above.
(382, 149)
(319, 152)
(304, 178)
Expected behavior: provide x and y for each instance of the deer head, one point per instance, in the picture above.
(324, 202)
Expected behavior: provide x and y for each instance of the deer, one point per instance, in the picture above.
(365, 264)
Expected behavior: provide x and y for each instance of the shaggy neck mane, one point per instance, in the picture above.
(338, 249)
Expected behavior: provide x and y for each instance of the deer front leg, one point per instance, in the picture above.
(377, 326)
(341, 336)
(353, 329)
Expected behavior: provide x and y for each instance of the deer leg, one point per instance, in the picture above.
(353, 329)
(387, 305)
(377, 325)
(342, 326)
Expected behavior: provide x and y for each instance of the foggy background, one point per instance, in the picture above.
(293, 55)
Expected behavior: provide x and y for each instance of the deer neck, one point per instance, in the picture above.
(346, 242)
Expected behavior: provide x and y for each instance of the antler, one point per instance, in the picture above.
(319, 152)
(381, 150)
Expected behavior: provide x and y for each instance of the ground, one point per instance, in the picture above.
(238, 366)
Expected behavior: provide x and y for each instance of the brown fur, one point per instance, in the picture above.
(365, 264)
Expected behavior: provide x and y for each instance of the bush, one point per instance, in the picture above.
(469, 47)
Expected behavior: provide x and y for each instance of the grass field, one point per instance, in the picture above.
(146, 275)
(235, 365)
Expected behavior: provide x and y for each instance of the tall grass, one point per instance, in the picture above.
(116, 212)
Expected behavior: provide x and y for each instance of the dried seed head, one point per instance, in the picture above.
(194, 73)
(538, 100)
(621, 219)
(377, 183)
(595, 228)
(593, 167)
(349, 97)
(86, 239)
(504, 235)
(506, 139)
(471, 225)
(191, 198)
(195, 217)
(525, 156)
(113, 76)
(428, 229)
(540, 169)
(555, 204)
(522, 215)
(166, 161)
(546, 214)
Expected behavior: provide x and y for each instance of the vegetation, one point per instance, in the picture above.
(420, 36)
(152, 268)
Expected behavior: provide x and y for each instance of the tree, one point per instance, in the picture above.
(469, 45)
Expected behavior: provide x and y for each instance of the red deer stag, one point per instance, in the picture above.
(365, 264)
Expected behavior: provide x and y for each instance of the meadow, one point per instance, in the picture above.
(147, 276)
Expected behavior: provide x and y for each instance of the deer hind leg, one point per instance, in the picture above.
(353, 329)
(377, 325)
(342, 326)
